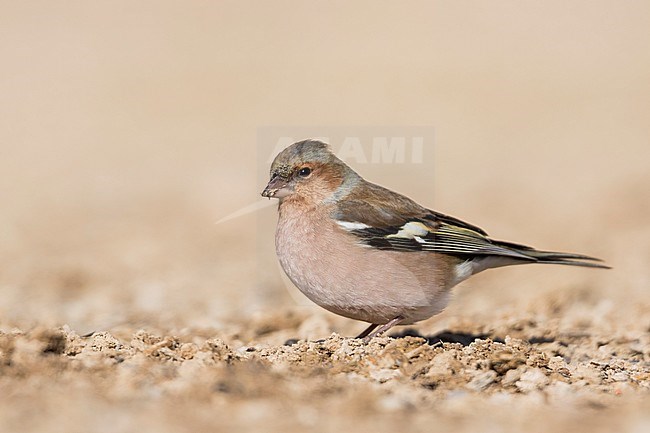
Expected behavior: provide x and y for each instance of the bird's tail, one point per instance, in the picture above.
(551, 257)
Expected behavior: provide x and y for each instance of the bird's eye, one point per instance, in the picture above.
(304, 172)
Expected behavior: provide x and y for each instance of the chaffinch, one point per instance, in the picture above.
(367, 253)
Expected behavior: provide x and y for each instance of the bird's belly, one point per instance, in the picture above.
(361, 282)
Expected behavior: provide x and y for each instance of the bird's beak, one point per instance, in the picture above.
(277, 187)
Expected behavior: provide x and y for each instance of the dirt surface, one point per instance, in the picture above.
(537, 372)
(127, 129)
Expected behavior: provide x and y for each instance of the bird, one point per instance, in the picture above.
(370, 254)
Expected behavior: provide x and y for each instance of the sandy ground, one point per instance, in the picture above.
(127, 130)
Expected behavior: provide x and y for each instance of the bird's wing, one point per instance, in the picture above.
(389, 221)
(426, 232)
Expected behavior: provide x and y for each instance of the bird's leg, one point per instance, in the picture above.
(383, 328)
(367, 331)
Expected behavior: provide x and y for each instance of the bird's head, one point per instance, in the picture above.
(309, 171)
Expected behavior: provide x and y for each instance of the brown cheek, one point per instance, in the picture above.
(320, 184)
(315, 189)
(328, 176)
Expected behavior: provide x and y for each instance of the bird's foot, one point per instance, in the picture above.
(370, 332)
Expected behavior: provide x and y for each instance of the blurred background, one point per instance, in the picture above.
(127, 129)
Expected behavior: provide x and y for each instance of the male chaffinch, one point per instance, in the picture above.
(367, 253)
